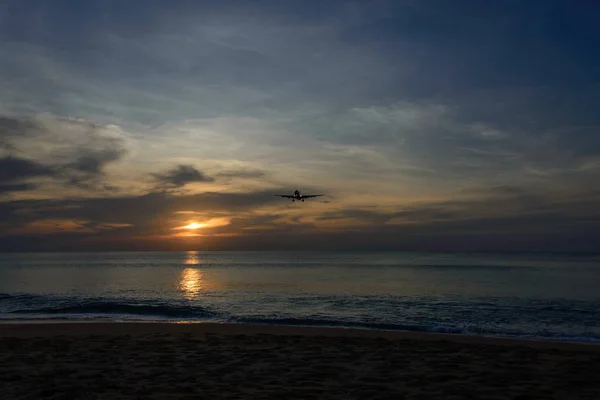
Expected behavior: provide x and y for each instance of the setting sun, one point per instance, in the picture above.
(193, 225)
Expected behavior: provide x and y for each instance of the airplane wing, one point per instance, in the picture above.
(284, 195)
(312, 195)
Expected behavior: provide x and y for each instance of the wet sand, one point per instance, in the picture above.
(222, 361)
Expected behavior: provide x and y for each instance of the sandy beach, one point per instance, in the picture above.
(221, 361)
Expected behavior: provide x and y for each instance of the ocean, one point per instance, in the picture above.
(525, 295)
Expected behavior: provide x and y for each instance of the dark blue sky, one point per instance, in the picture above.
(426, 122)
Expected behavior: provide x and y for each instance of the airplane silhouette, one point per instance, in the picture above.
(298, 196)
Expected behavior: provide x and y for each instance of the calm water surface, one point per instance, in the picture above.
(547, 296)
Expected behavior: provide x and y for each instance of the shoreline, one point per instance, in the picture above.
(41, 328)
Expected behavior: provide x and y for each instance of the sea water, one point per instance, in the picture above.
(525, 295)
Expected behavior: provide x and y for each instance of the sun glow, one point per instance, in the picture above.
(193, 225)
(210, 223)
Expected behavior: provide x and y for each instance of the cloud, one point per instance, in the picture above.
(181, 176)
(416, 128)
(12, 128)
(496, 220)
(88, 169)
(500, 191)
(125, 218)
(16, 174)
(17, 187)
(53, 226)
(379, 85)
(139, 210)
(74, 152)
(14, 169)
(249, 173)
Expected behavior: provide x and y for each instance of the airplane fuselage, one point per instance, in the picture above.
(298, 196)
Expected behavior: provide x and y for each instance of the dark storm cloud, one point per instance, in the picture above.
(181, 176)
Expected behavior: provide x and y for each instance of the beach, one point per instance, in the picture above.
(227, 361)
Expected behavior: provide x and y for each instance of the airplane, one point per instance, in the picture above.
(298, 196)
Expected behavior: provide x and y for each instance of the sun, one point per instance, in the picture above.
(193, 225)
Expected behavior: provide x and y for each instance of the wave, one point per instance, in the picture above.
(535, 319)
(66, 314)
(119, 308)
(153, 315)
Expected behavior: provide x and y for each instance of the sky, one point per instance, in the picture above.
(428, 125)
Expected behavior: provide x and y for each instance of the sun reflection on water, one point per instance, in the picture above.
(190, 282)
(192, 258)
